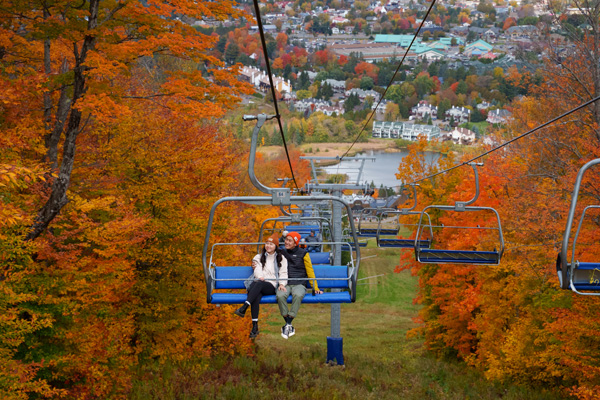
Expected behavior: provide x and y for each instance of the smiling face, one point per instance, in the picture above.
(270, 247)
(289, 242)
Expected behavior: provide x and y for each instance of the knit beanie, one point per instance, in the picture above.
(295, 235)
(273, 239)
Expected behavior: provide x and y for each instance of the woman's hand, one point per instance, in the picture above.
(261, 278)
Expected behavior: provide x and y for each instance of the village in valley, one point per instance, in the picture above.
(457, 77)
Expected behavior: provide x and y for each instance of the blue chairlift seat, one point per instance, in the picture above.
(586, 276)
(429, 255)
(403, 243)
(457, 256)
(323, 257)
(303, 230)
(581, 277)
(328, 277)
(368, 232)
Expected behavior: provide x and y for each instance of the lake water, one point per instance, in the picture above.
(382, 171)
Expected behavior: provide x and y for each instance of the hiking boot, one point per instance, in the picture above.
(254, 331)
(291, 331)
(285, 331)
(240, 312)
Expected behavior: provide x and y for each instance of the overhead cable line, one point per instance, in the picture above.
(273, 91)
(579, 107)
(391, 80)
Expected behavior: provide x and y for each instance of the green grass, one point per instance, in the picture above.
(380, 361)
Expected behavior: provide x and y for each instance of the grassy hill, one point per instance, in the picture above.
(380, 361)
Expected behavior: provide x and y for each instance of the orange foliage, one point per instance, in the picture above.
(365, 68)
(511, 320)
(116, 279)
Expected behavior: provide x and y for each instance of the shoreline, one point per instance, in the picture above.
(335, 149)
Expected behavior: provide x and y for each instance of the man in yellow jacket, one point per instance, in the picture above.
(300, 275)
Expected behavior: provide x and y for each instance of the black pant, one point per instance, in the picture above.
(255, 294)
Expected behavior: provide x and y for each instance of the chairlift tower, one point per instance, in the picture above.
(335, 341)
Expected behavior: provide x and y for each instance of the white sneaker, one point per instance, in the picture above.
(285, 331)
(291, 331)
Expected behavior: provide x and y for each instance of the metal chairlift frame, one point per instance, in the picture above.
(324, 224)
(315, 169)
(575, 275)
(405, 243)
(365, 212)
(277, 197)
(484, 257)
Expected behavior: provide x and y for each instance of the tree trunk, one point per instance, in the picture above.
(58, 197)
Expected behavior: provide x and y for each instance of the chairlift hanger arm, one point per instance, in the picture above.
(460, 205)
(260, 120)
(414, 188)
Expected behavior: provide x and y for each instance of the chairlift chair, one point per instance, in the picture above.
(579, 276)
(386, 239)
(372, 228)
(459, 256)
(339, 278)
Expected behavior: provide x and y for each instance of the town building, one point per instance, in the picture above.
(363, 94)
(423, 110)
(458, 114)
(498, 116)
(404, 130)
(461, 136)
(260, 80)
(478, 48)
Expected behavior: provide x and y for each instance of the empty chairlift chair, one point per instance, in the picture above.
(582, 277)
(346, 237)
(390, 228)
(440, 253)
(367, 223)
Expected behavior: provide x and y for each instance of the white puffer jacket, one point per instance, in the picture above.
(267, 271)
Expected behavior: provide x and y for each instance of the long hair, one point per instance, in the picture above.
(263, 256)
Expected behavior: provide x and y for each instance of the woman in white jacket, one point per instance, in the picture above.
(270, 274)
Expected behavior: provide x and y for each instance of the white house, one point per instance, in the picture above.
(462, 136)
(381, 107)
(260, 80)
(421, 110)
(363, 94)
(498, 116)
(336, 86)
(484, 105)
(404, 130)
(310, 104)
(458, 114)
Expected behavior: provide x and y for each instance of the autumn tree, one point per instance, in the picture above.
(66, 55)
(511, 320)
(116, 280)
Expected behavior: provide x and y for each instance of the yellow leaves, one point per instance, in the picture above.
(15, 177)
